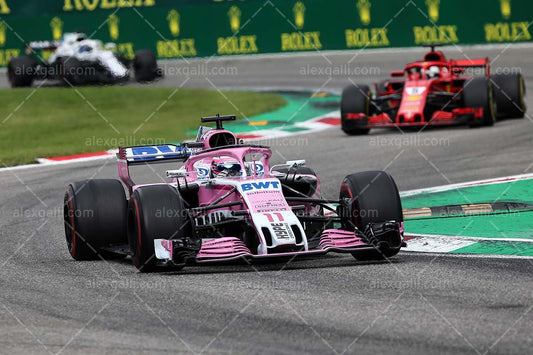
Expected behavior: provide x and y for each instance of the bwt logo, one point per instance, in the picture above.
(260, 185)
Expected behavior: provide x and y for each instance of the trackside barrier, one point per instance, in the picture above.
(202, 28)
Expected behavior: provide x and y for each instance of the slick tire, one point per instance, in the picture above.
(21, 71)
(355, 99)
(94, 213)
(145, 66)
(510, 95)
(478, 93)
(154, 212)
(374, 198)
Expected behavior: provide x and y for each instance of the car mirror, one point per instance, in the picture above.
(174, 174)
(397, 73)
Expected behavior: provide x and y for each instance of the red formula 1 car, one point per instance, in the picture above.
(225, 203)
(434, 91)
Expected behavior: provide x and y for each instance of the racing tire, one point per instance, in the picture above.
(355, 99)
(510, 95)
(155, 212)
(21, 71)
(145, 66)
(94, 213)
(73, 72)
(374, 198)
(478, 92)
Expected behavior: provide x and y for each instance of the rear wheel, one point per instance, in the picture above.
(145, 66)
(355, 99)
(510, 95)
(21, 71)
(478, 93)
(94, 213)
(155, 212)
(372, 198)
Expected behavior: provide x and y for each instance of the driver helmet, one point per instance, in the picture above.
(85, 49)
(433, 72)
(225, 167)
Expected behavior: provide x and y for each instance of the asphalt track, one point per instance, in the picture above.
(416, 304)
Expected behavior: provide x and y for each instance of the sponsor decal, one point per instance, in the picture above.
(4, 9)
(505, 8)
(299, 14)
(261, 185)
(91, 5)
(366, 37)
(173, 19)
(363, 6)
(282, 231)
(433, 9)
(442, 34)
(202, 171)
(7, 54)
(112, 23)
(126, 50)
(236, 44)
(183, 47)
(507, 31)
(435, 34)
(138, 152)
(57, 28)
(300, 41)
(2, 34)
(259, 169)
(415, 90)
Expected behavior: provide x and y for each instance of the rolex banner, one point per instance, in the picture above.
(191, 28)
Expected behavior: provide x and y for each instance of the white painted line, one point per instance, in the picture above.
(500, 180)
(463, 238)
(469, 256)
(436, 244)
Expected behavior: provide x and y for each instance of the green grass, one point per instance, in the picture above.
(61, 121)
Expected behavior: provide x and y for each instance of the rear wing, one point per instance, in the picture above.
(147, 154)
(472, 63)
(156, 153)
(43, 45)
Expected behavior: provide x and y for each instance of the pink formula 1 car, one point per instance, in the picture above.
(225, 203)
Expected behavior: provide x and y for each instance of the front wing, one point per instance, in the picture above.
(231, 248)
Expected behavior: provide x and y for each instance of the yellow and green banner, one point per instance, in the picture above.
(192, 28)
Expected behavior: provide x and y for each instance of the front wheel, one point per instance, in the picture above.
(372, 198)
(155, 212)
(145, 66)
(355, 99)
(478, 93)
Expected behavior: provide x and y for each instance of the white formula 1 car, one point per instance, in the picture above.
(78, 60)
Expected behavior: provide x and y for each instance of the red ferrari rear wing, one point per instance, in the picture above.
(472, 63)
